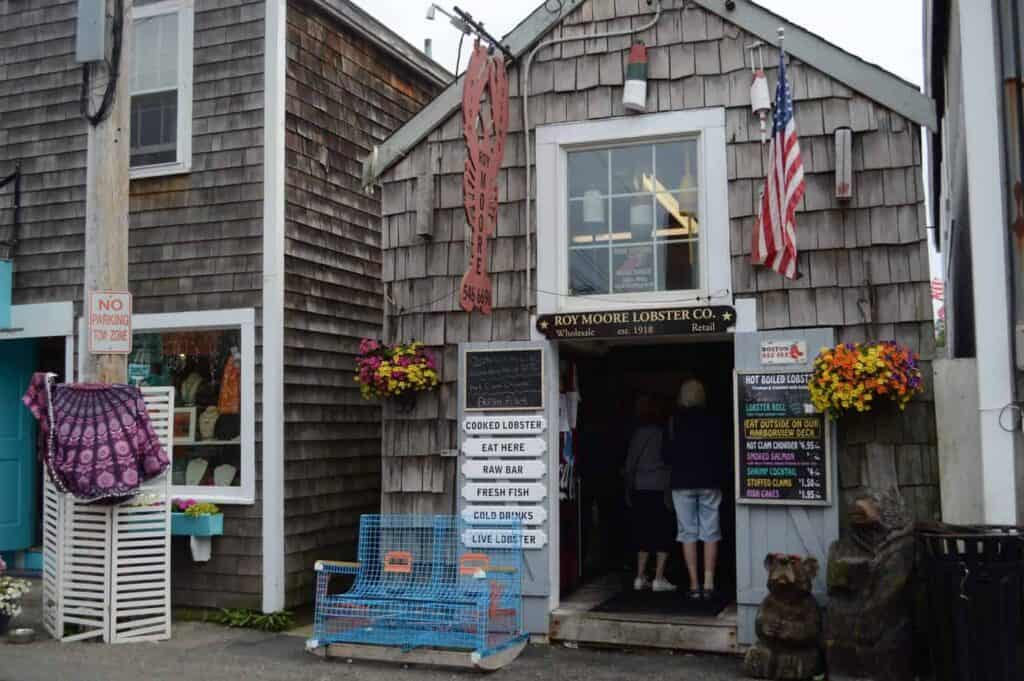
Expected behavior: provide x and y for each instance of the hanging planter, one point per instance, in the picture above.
(854, 377)
(395, 372)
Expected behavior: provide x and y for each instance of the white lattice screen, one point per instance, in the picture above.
(106, 569)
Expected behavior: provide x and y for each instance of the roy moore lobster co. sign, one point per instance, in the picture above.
(638, 323)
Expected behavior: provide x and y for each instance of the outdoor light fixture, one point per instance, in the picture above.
(455, 21)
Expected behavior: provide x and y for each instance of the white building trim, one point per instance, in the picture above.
(988, 223)
(42, 320)
(273, 306)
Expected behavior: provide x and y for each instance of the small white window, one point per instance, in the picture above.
(209, 359)
(161, 88)
(633, 212)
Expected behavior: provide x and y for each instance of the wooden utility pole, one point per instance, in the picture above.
(106, 199)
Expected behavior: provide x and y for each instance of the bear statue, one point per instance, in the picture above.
(868, 624)
(788, 622)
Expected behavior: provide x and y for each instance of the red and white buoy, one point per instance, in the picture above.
(634, 93)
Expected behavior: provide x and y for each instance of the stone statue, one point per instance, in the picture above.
(868, 627)
(788, 622)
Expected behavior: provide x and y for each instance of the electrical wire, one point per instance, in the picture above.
(401, 310)
(526, 120)
(113, 70)
(1013, 406)
(15, 177)
(458, 55)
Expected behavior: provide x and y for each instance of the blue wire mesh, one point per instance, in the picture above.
(417, 584)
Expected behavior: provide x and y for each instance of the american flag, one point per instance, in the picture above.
(774, 242)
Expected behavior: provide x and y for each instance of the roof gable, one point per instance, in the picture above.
(868, 79)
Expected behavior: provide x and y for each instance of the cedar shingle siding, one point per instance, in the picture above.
(196, 239)
(344, 96)
(196, 243)
(865, 265)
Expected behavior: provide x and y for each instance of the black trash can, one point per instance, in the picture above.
(974, 582)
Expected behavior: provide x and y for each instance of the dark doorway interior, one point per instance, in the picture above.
(599, 544)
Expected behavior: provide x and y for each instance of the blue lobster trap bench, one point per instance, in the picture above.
(426, 590)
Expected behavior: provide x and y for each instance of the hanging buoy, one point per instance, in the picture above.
(634, 93)
(761, 101)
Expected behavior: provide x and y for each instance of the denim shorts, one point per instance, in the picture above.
(697, 514)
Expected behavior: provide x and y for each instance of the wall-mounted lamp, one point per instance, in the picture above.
(455, 21)
(844, 164)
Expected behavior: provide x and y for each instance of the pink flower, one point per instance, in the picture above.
(3, 565)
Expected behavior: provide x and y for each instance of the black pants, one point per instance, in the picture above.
(653, 523)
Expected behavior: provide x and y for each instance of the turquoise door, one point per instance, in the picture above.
(19, 504)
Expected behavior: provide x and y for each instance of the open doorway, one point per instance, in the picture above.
(599, 529)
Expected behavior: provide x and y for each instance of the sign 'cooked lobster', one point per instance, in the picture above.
(485, 128)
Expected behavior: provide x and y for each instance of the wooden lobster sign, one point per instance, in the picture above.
(485, 129)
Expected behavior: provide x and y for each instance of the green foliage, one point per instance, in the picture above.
(246, 619)
(200, 509)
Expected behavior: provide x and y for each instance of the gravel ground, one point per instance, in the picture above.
(204, 652)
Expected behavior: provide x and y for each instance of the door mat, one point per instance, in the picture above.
(662, 603)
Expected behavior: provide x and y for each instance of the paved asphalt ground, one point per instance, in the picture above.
(205, 652)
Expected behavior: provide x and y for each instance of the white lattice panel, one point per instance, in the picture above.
(106, 569)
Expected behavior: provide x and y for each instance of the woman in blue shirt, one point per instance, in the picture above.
(696, 451)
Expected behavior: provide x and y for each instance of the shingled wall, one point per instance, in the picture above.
(344, 95)
(196, 239)
(865, 264)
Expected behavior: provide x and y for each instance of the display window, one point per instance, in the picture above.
(208, 358)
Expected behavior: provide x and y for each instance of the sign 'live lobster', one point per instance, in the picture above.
(485, 129)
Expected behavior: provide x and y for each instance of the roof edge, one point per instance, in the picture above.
(384, 38)
(517, 41)
(864, 77)
(871, 80)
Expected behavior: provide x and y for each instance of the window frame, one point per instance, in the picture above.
(554, 142)
(210, 320)
(186, 37)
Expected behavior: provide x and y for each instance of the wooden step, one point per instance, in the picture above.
(716, 634)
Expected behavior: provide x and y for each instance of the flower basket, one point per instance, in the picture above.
(395, 372)
(855, 377)
(197, 526)
(197, 519)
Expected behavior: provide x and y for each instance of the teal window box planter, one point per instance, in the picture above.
(200, 526)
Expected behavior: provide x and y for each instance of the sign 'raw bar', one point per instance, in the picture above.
(672, 321)
(782, 442)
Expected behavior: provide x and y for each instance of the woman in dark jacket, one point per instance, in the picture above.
(696, 452)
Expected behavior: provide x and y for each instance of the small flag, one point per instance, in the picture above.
(634, 92)
(774, 239)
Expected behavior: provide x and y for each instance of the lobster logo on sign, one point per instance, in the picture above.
(485, 127)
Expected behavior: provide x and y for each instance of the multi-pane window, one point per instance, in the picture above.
(208, 358)
(161, 83)
(634, 218)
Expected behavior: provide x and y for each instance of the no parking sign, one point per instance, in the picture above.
(110, 322)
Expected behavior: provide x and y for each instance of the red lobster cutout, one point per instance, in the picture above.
(485, 130)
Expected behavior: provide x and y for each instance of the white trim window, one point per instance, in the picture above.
(161, 88)
(633, 212)
(209, 357)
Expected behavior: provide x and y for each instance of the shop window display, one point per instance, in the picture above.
(205, 368)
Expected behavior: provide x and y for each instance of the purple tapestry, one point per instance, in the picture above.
(99, 441)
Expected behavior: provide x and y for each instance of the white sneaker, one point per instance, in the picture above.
(641, 583)
(663, 585)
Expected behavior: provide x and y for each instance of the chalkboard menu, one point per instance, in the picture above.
(782, 444)
(504, 379)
